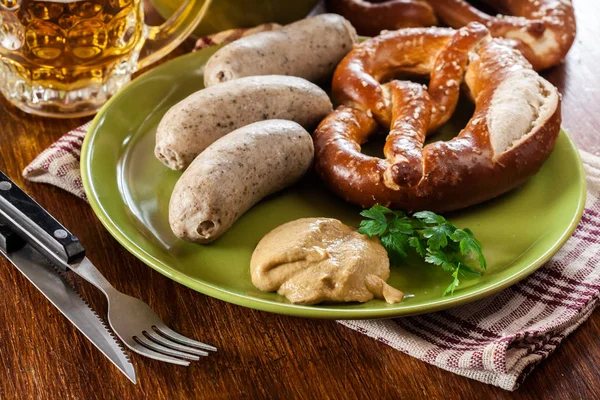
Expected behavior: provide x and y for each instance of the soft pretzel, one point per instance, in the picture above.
(543, 30)
(370, 17)
(512, 132)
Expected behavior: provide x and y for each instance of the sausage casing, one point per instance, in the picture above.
(236, 172)
(310, 48)
(196, 122)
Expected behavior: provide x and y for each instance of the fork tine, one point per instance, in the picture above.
(171, 334)
(155, 337)
(146, 352)
(165, 350)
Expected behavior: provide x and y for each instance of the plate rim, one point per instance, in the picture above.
(296, 309)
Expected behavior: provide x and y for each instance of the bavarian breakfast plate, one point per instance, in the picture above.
(129, 190)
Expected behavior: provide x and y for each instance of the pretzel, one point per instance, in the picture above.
(512, 132)
(369, 18)
(543, 30)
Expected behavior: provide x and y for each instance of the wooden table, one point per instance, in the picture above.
(260, 355)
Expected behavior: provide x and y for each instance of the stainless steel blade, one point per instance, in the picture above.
(43, 276)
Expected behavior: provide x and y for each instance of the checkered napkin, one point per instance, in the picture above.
(501, 339)
(498, 340)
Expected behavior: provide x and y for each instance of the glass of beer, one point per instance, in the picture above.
(65, 58)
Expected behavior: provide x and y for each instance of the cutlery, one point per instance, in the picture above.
(132, 320)
(138, 326)
(60, 293)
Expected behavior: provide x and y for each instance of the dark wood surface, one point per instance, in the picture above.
(261, 355)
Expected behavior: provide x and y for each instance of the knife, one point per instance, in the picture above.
(21, 249)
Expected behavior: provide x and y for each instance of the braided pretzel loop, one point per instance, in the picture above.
(543, 30)
(370, 17)
(512, 132)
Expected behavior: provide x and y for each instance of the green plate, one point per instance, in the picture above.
(129, 190)
(229, 14)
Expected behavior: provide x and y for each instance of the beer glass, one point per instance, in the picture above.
(65, 58)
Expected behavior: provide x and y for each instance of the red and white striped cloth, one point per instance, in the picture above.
(498, 340)
(502, 338)
(58, 165)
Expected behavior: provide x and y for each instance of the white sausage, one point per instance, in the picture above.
(236, 172)
(310, 48)
(196, 122)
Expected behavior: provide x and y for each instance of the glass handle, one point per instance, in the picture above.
(162, 39)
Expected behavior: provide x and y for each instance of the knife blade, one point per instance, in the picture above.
(36, 249)
(63, 296)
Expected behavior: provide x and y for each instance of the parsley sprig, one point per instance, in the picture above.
(429, 235)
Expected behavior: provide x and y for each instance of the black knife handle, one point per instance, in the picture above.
(9, 241)
(30, 221)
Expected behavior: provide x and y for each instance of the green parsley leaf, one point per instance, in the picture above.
(416, 243)
(417, 223)
(450, 289)
(375, 213)
(431, 236)
(401, 226)
(372, 228)
(400, 214)
(438, 257)
(437, 235)
(468, 244)
(396, 246)
(429, 217)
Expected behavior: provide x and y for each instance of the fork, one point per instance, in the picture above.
(134, 322)
(131, 319)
